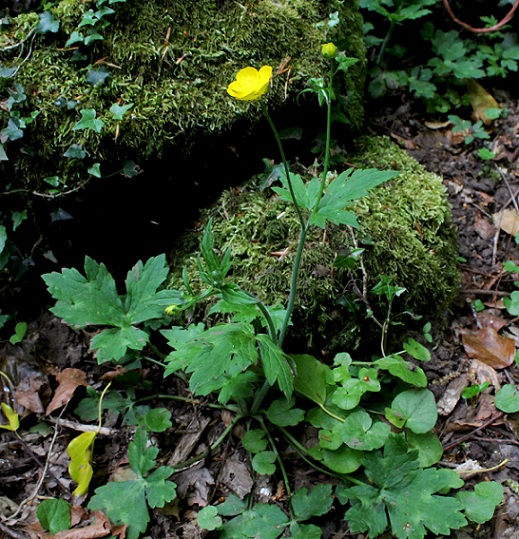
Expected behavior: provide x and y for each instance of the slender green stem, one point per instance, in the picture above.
(380, 55)
(326, 163)
(189, 400)
(285, 163)
(293, 284)
(303, 452)
(268, 318)
(259, 397)
(278, 457)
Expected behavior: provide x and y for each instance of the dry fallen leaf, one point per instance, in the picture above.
(483, 227)
(490, 318)
(508, 221)
(69, 380)
(100, 527)
(480, 100)
(489, 347)
(452, 395)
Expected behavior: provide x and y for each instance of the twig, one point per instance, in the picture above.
(10, 532)
(494, 28)
(471, 433)
(80, 427)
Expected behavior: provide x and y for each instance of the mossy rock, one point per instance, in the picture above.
(406, 231)
(172, 61)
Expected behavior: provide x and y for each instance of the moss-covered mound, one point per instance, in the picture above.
(171, 61)
(406, 231)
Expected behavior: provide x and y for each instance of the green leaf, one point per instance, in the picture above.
(157, 420)
(305, 531)
(512, 303)
(47, 23)
(360, 432)
(3, 237)
(54, 515)
(429, 447)
(80, 451)
(18, 218)
(343, 460)
(97, 77)
(343, 190)
(112, 344)
(126, 502)
(254, 441)
(89, 121)
(313, 377)
(95, 170)
(349, 394)
(19, 332)
(480, 505)
(315, 503)
(404, 495)
(507, 399)
(130, 169)
(283, 414)
(262, 522)
(208, 519)
(120, 110)
(3, 155)
(403, 369)
(416, 409)
(263, 462)
(275, 364)
(93, 300)
(416, 350)
(75, 152)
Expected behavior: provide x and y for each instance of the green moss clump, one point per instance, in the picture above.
(173, 61)
(408, 238)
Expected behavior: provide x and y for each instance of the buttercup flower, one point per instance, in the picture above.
(250, 84)
(329, 50)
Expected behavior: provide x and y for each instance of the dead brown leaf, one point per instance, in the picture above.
(490, 318)
(27, 393)
(480, 100)
(69, 380)
(100, 527)
(483, 227)
(489, 347)
(508, 221)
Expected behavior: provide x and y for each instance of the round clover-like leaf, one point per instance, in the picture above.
(208, 518)
(507, 399)
(416, 409)
(263, 463)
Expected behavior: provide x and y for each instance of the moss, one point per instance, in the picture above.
(173, 60)
(411, 240)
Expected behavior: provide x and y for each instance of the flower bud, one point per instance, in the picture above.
(329, 50)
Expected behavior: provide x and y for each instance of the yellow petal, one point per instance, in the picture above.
(80, 450)
(11, 416)
(250, 84)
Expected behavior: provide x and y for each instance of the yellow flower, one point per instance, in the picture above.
(250, 84)
(329, 50)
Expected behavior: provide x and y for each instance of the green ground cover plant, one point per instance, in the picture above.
(374, 415)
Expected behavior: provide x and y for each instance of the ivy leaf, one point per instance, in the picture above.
(97, 77)
(3, 155)
(80, 451)
(75, 152)
(127, 502)
(120, 110)
(89, 121)
(95, 170)
(48, 23)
